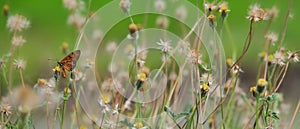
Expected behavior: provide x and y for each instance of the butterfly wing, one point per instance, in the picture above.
(69, 62)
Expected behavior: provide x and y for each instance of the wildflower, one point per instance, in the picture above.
(140, 63)
(20, 64)
(270, 59)
(6, 10)
(132, 30)
(2, 62)
(210, 6)
(204, 88)
(141, 79)
(279, 58)
(18, 41)
(223, 9)
(261, 84)
(262, 55)
(181, 12)
(207, 78)
(160, 5)
(165, 46)
(254, 91)
(70, 4)
(272, 13)
(125, 5)
(116, 110)
(111, 47)
(42, 82)
(236, 69)
(183, 47)
(77, 75)
(65, 47)
(229, 62)
(162, 22)
(139, 125)
(212, 20)
(56, 72)
(5, 109)
(127, 105)
(103, 104)
(17, 23)
(271, 38)
(194, 57)
(256, 13)
(293, 56)
(25, 99)
(76, 19)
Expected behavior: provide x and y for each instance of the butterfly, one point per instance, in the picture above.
(66, 64)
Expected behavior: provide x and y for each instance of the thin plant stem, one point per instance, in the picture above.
(294, 115)
(22, 79)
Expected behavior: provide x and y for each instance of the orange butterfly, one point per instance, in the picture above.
(67, 64)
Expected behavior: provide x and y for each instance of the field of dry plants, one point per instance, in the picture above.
(149, 64)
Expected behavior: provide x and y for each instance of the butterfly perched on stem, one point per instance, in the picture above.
(66, 64)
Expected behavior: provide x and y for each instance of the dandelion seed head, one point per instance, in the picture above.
(17, 23)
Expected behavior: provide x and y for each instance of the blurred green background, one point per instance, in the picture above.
(49, 29)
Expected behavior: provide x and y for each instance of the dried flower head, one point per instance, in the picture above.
(272, 13)
(17, 23)
(210, 6)
(162, 22)
(181, 12)
(160, 5)
(165, 46)
(20, 64)
(271, 37)
(77, 20)
(236, 69)
(125, 5)
(70, 4)
(18, 41)
(293, 56)
(6, 109)
(256, 13)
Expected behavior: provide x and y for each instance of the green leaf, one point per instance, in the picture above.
(127, 123)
